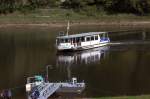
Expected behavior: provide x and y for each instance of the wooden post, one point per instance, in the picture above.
(143, 35)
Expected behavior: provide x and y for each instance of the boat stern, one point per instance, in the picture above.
(65, 46)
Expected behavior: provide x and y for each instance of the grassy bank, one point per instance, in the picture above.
(58, 16)
(127, 97)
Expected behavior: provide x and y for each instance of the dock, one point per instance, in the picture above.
(42, 90)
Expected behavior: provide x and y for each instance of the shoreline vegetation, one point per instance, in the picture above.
(57, 18)
(80, 12)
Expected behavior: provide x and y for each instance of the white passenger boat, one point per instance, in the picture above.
(81, 41)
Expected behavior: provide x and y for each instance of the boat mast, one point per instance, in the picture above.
(68, 27)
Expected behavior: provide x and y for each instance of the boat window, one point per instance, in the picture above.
(77, 39)
(96, 37)
(61, 40)
(67, 40)
(88, 38)
(80, 39)
(74, 40)
(107, 35)
(92, 38)
(102, 35)
(83, 39)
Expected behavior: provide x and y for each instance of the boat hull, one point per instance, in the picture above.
(80, 48)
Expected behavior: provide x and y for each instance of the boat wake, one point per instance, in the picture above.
(136, 42)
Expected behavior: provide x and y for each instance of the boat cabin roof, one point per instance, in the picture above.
(80, 35)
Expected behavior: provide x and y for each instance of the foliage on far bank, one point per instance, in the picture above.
(89, 7)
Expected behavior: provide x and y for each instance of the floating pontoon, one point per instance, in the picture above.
(37, 88)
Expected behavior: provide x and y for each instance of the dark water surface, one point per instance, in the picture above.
(114, 70)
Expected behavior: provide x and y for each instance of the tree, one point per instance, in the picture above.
(140, 6)
(53, 3)
(7, 6)
(75, 4)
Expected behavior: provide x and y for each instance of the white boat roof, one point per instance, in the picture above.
(80, 35)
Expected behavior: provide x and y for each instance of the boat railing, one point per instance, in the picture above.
(61, 33)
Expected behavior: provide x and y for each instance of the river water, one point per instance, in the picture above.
(122, 68)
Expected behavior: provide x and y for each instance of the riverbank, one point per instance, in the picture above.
(57, 18)
(127, 97)
(83, 23)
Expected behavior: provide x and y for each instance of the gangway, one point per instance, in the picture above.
(50, 89)
(47, 90)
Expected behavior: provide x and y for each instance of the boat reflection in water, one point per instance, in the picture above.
(84, 57)
(68, 62)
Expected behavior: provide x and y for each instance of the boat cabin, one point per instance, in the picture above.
(81, 41)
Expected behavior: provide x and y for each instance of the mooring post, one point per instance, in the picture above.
(47, 67)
